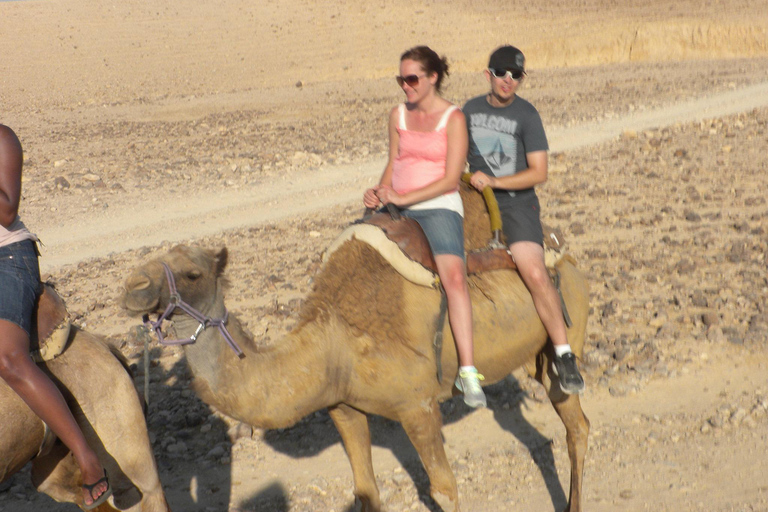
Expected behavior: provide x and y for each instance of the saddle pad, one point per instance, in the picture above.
(51, 326)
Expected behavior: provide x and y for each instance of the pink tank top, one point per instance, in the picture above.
(421, 156)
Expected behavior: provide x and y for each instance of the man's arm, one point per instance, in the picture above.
(535, 174)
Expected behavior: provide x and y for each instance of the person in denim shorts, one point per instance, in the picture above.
(427, 154)
(19, 290)
(508, 152)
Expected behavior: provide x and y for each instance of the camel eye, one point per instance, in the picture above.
(194, 275)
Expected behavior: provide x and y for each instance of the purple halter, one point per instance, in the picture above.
(175, 301)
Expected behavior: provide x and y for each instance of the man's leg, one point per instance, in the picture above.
(529, 258)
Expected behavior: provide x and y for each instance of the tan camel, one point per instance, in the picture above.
(107, 407)
(363, 345)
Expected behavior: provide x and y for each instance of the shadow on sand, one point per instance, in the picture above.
(190, 443)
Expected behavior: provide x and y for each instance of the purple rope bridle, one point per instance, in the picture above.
(175, 301)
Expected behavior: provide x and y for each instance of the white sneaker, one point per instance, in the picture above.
(468, 382)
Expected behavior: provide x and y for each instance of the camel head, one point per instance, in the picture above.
(196, 272)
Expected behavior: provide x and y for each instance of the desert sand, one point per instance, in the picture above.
(257, 125)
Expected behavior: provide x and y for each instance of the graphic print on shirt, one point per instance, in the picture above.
(496, 143)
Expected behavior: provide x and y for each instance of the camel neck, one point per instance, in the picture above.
(272, 387)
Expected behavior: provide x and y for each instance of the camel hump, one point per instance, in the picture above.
(390, 249)
(51, 326)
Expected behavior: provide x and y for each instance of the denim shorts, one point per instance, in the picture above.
(19, 283)
(444, 229)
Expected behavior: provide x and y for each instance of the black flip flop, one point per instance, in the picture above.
(104, 496)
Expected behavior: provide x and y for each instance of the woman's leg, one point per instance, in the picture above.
(453, 276)
(45, 400)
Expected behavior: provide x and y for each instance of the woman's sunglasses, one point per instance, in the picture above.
(411, 80)
(514, 74)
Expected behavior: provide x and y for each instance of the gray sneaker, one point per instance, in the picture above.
(565, 368)
(468, 382)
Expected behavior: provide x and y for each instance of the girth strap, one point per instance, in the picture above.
(437, 342)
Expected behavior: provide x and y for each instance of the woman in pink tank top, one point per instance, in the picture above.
(427, 154)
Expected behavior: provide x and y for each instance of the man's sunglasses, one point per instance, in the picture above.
(411, 80)
(514, 74)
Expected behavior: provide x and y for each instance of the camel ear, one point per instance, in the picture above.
(221, 261)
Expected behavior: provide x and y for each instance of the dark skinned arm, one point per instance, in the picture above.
(11, 160)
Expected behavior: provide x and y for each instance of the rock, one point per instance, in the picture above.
(239, 431)
(715, 335)
(710, 318)
(577, 228)
(178, 448)
(61, 183)
(699, 299)
(611, 309)
(216, 452)
(692, 216)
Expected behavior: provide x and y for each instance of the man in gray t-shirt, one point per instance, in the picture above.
(508, 152)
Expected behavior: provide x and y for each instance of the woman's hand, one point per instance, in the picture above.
(480, 180)
(387, 195)
(370, 199)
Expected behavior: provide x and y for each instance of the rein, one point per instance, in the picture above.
(175, 301)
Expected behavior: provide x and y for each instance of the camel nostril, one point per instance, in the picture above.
(137, 283)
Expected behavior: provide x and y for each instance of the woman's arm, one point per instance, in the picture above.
(370, 199)
(11, 160)
(455, 162)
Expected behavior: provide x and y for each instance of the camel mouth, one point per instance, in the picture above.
(136, 307)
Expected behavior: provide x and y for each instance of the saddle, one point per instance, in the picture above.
(481, 256)
(50, 326)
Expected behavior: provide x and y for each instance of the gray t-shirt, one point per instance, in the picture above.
(500, 137)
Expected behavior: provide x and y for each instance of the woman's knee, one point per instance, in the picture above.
(454, 279)
(11, 368)
(14, 353)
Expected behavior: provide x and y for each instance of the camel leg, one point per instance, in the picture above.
(353, 428)
(424, 431)
(568, 407)
(576, 433)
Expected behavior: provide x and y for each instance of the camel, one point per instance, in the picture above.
(102, 396)
(364, 345)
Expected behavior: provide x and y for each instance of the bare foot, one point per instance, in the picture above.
(95, 483)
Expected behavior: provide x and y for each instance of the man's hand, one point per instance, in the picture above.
(480, 180)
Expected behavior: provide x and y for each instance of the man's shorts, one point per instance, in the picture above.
(444, 229)
(19, 283)
(520, 220)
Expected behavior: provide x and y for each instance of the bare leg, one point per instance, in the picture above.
(529, 258)
(45, 400)
(453, 275)
(353, 428)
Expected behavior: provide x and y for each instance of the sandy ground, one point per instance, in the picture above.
(256, 126)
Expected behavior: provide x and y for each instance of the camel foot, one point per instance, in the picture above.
(446, 503)
(365, 506)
